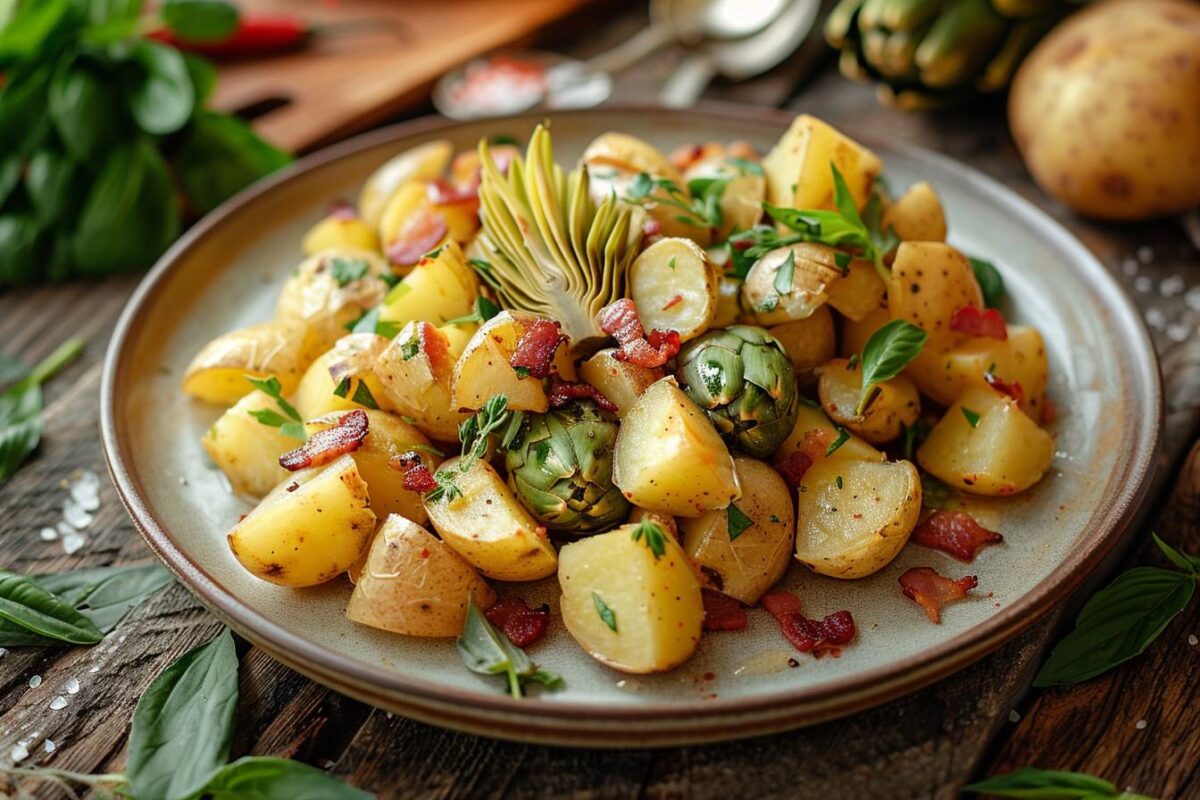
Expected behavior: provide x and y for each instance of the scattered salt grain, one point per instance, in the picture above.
(1141, 725)
(35, 681)
(94, 670)
(1130, 266)
(87, 498)
(48, 534)
(72, 686)
(58, 703)
(1014, 716)
(1172, 286)
(63, 527)
(1178, 332)
(1192, 640)
(75, 514)
(73, 542)
(1192, 298)
(1156, 319)
(1143, 283)
(49, 746)
(3, 652)
(182, 481)
(18, 753)
(1145, 254)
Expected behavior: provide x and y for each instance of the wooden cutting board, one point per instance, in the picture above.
(375, 58)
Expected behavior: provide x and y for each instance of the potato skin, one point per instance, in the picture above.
(656, 601)
(930, 281)
(859, 291)
(423, 162)
(484, 370)
(917, 215)
(415, 371)
(809, 343)
(415, 584)
(315, 295)
(752, 563)
(1104, 109)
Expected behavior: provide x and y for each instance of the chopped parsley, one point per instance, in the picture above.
(289, 421)
(348, 270)
(607, 615)
(842, 437)
(655, 538)
(973, 417)
(736, 521)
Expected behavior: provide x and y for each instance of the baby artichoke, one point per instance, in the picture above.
(550, 248)
(560, 466)
(743, 379)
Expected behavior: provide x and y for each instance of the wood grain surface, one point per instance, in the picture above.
(926, 745)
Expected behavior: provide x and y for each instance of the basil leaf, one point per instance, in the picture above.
(200, 20)
(86, 111)
(183, 723)
(203, 76)
(220, 157)
(1182, 560)
(1049, 784)
(162, 97)
(53, 181)
(23, 248)
(32, 28)
(101, 11)
(10, 175)
(265, 778)
(989, 281)
(21, 408)
(23, 122)
(123, 590)
(886, 353)
(130, 215)
(489, 652)
(33, 608)
(1117, 623)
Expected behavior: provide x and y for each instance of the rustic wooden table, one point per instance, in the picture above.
(1134, 726)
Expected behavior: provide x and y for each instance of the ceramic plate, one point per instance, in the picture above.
(227, 271)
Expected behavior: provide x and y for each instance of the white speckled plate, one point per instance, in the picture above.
(227, 271)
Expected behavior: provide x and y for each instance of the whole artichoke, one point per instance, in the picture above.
(743, 378)
(928, 53)
(560, 466)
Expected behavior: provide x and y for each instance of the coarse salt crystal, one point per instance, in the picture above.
(1171, 286)
(1155, 319)
(1143, 283)
(1192, 640)
(58, 703)
(1177, 332)
(1141, 725)
(35, 681)
(1145, 254)
(63, 527)
(72, 686)
(94, 670)
(1192, 298)
(85, 496)
(73, 542)
(18, 753)
(1014, 716)
(75, 515)
(3, 652)
(1130, 266)
(48, 534)
(49, 746)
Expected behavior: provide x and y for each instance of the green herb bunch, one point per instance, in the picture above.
(105, 145)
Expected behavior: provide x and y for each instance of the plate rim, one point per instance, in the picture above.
(809, 704)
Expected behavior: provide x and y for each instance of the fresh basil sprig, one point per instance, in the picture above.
(21, 408)
(1121, 620)
(476, 431)
(886, 353)
(1050, 784)
(28, 606)
(487, 651)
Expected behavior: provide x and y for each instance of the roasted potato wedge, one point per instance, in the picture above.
(217, 374)
(633, 604)
(674, 286)
(930, 281)
(415, 372)
(814, 433)
(853, 517)
(423, 162)
(340, 230)
(437, 290)
(859, 291)
(483, 370)
(621, 382)
(917, 216)
(798, 172)
(809, 343)
(246, 450)
(343, 378)
(331, 290)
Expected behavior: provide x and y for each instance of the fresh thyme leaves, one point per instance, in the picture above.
(446, 489)
(410, 348)
(886, 353)
(656, 540)
(699, 206)
(607, 615)
(485, 309)
(289, 422)
(489, 652)
(21, 409)
(475, 432)
(348, 270)
(736, 521)
(1121, 620)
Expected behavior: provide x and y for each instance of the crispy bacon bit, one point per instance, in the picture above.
(674, 301)
(563, 392)
(1048, 411)
(722, 612)
(342, 211)
(442, 192)
(420, 234)
(521, 624)
(535, 351)
(1011, 388)
(417, 477)
(932, 591)
(651, 228)
(322, 447)
(793, 466)
(685, 155)
(975, 322)
(954, 532)
(620, 320)
(809, 635)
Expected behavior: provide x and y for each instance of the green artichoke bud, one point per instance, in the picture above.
(743, 378)
(560, 466)
(552, 249)
(929, 53)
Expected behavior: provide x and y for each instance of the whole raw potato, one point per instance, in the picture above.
(1106, 110)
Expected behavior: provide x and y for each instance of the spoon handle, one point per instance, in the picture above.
(688, 82)
(632, 50)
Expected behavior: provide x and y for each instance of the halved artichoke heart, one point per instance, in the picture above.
(560, 466)
(553, 251)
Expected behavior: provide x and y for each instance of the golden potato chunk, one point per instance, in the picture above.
(809, 343)
(423, 162)
(743, 550)
(415, 371)
(331, 290)
(917, 215)
(437, 290)
(415, 584)
(853, 517)
(813, 434)
(790, 283)
(484, 370)
(218, 372)
(343, 378)
(246, 450)
(894, 405)
(674, 286)
(669, 458)
(930, 281)
(798, 166)
(339, 231)
(859, 292)
(619, 381)
(633, 604)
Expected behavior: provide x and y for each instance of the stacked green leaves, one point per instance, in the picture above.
(105, 144)
(552, 251)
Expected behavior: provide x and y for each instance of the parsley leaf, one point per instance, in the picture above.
(736, 521)
(363, 396)
(973, 417)
(348, 270)
(607, 615)
(289, 422)
(785, 274)
(656, 540)
(700, 205)
(485, 309)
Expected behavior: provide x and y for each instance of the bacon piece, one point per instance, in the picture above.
(932, 591)
(563, 392)
(620, 320)
(954, 532)
(1048, 411)
(342, 211)
(809, 635)
(442, 192)
(419, 235)
(793, 467)
(1011, 388)
(651, 228)
(521, 624)
(722, 612)
(536, 348)
(685, 155)
(975, 322)
(417, 477)
(322, 447)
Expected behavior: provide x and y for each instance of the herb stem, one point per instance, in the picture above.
(865, 401)
(67, 775)
(67, 352)
(514, 683)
